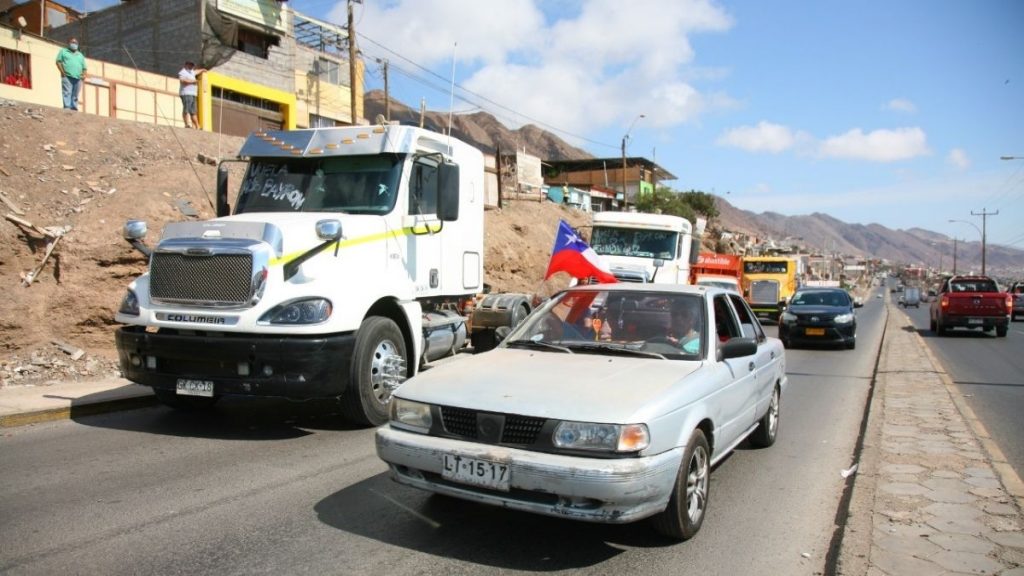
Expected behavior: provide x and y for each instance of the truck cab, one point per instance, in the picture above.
(639, 247)
(335, 273)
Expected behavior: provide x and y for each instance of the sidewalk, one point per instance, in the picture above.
(933, 493)
(21, 405)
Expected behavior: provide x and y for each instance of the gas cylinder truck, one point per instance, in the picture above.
(338, 271)
(640, 247)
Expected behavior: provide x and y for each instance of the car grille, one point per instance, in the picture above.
(815, 319)
(517, 430)
(764, 292)
(221, 278)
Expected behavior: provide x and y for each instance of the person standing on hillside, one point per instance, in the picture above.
(71, 63)
(189, 92)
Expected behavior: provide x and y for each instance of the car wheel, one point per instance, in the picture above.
(184, 403)
(786, 343)
(852, 343)
(939, 328)
(682, 519)
(768, 426)
(378, 367)
(931, 324)
(1001, 331)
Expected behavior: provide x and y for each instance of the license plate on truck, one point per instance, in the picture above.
(188, 387)
(476, 472)
(975, 321)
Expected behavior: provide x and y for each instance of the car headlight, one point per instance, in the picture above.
(297, 312)
(129, 304)
(843, 319)
(787, 318)
(411, 415)
(603, 437)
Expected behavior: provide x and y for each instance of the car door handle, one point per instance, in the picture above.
(751, 366)
(772, 355)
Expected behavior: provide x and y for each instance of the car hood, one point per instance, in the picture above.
(816, 309)
(582, 387)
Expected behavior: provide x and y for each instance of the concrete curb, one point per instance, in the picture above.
(75, 411)
(1009, 478)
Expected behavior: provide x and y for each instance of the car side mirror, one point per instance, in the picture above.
(738, 347)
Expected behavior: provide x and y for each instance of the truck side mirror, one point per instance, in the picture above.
(223, 208)
(694, 250)
(134, 230)
(448, 192)
(328, 229)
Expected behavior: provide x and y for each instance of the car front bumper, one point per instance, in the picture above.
(830, 334)
(296, 367)
(613, 491)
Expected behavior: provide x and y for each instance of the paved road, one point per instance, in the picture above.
(989, 372)
(265, 487)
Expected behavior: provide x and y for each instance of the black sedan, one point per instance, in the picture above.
(819, 316)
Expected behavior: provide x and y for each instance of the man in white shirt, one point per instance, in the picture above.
(189, 92)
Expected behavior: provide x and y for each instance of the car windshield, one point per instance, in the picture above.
(350, 184)
(820, 299)
(645, 324)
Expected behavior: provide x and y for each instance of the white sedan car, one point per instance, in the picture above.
(610, 403)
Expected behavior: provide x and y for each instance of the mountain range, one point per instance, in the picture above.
(814, 232)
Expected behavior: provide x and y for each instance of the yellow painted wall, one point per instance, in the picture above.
(210, 80)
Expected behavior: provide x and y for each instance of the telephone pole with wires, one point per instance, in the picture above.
(984, 216)
(352, 51)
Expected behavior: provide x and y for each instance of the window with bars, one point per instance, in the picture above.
(15, 68)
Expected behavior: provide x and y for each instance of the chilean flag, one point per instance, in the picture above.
(572, 255)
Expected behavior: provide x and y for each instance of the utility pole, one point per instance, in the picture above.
(387, 93)
(423, 110)
(352, 50)
(984, 216)
(954, 256)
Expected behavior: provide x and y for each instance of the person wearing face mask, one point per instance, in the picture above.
(71, 63)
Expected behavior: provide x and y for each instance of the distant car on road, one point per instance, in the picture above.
(819, 316)
(910, 297)
(1017, 292)
(610, 403)
(971, 302)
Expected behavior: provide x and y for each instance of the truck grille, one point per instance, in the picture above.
(517, 430)
(764, 292)
(220, 278)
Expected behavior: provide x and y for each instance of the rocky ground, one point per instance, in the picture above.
(69, 181)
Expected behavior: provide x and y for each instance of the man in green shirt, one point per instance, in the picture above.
(71, 64)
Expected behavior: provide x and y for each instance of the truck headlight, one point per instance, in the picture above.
(129, 304)
(843, 319)
(297, 312)
(602, 437)
(787, 318)
(411, 415)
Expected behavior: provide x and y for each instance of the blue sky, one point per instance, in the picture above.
(869, 111)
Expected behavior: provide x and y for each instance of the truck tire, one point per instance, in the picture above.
(378, 366)
(1001, 331)
(184, 403)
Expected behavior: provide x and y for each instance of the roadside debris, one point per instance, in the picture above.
(75, 352)
(53, 236)
(849, 471)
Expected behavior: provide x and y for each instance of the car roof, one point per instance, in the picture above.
(822, 289)
(651, 288)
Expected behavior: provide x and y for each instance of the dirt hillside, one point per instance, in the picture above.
(87, 175)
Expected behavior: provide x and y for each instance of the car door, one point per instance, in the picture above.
(767, 359)
(738, 398)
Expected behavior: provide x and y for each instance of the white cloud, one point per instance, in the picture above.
(958, 158)
(577, 66)
(765, 137)
(878, 145)
(901, 105)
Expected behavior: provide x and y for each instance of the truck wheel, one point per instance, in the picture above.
(184, 403)
(931, 324)
(378, 367)
(1001, 331)
(939, 328)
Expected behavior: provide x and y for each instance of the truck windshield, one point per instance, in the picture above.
(350, 184)
(633, 242)
(756, 267)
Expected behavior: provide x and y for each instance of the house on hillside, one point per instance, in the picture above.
(39, 16)
(628, 177)
(269, 66)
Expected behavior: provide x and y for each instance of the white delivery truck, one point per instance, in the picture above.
(640, 247)
(337, 272)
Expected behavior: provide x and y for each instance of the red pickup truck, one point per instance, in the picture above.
(971, 302)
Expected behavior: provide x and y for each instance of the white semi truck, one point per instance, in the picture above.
(640, 247)
(338, 271)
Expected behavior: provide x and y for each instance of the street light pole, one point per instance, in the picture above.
(625, 138)
(982, 241)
